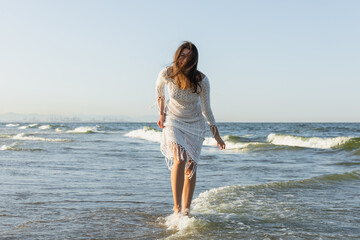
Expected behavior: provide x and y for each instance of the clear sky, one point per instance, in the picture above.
(266, 60)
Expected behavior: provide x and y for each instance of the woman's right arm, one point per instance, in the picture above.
(160, 94)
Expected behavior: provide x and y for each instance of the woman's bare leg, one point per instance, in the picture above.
(188, 191)
(177, 182)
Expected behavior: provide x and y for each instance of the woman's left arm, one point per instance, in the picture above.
(206, 111)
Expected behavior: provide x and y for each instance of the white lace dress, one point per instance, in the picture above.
(184, 127)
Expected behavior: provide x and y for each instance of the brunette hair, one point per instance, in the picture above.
(187, 75)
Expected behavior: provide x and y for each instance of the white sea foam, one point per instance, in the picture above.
(84, 130)
(230, 203)
(22, 136)
(313, 142)
(209, 141)
(203, 203)
(230, 145)
(242, 146)
(59, 130)
(44, 127)
(8, 147)
(12, 125)
(179, 222)
(183, 225)
(29, 126)
(145, 133)
(4, 147)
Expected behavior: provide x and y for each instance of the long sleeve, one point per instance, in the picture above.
(205, 105)
(159, 91)
(160, 83)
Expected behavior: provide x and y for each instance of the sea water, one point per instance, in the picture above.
(110, 181)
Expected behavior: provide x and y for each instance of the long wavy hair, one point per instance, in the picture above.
(186, 75)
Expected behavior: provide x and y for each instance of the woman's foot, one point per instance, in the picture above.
(185, 212)
(176, 210)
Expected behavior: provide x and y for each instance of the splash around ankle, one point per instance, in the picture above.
(185, 211)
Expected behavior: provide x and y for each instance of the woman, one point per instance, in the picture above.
(183, 122)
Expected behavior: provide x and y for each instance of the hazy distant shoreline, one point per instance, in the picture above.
(35, 117)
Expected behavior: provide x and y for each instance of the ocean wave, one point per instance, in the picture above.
(8, 147)
(6, 135)
(146, 133)
(236, 139)
(23, 136)
(33, 125)
(275, 142)
(84, 130)
(12, 125)
(324, 179)
(13, 147)
(235, 195)
(307, 142)
(45, 127)
(352, 144)
(4, 147)
(347, 176)
(234, 143)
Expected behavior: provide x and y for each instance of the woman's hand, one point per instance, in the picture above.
(220, 142)
(161, 121)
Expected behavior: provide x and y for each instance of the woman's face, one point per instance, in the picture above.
(184, 56)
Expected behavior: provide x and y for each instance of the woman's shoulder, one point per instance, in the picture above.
(203, 77)
(163, 72)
